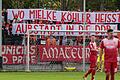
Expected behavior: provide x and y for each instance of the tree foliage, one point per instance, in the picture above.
(71, 5)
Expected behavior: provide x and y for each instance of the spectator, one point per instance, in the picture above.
(51, 40)
(77, 41)
(64, 40)
(70, 41)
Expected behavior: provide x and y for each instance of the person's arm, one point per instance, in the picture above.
(118, 56)
(119, 52)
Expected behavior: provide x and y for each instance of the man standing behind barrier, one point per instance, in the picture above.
(110, 46)
(93, 58)
(51, 40)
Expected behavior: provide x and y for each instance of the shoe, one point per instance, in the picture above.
(85, 78)
(93, 79)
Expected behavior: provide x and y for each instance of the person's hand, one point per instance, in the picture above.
(118, 59)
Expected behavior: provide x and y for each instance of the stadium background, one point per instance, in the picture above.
(10, 41)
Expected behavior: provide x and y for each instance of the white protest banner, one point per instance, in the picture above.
(66, 16)
(21, 28)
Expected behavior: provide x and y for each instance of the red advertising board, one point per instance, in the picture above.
(63, 53)
(16, 54)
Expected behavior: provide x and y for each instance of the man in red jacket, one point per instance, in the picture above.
(110, 46)
(93, 59)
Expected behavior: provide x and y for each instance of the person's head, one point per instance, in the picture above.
(110, 33)
(51, 36)
(92, 38)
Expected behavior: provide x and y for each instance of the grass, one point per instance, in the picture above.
(50, 76)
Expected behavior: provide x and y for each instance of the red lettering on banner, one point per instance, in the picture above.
(39, 14)
(54, 16)
(102, 18)
(88, 18)
(63, 16)
(108, 27)
(114, 19)
(19, 14)
(87, 28)
(43, 15)
(23, 28)
(34, 14)
(69, 27)
(80, 28)
(18, 30)
(69, 17)
(102, 27)
(41, 28)
(52, 28)
(118, 17)
(31, 14)
(14, 15)
(49, 16)
(97, 28)
(35, 27)
(97, 18)
(46, 28)
(58, 27)
(76, 17)
(82, 18)
(109, 18)
(105, 18)
(29, 26)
